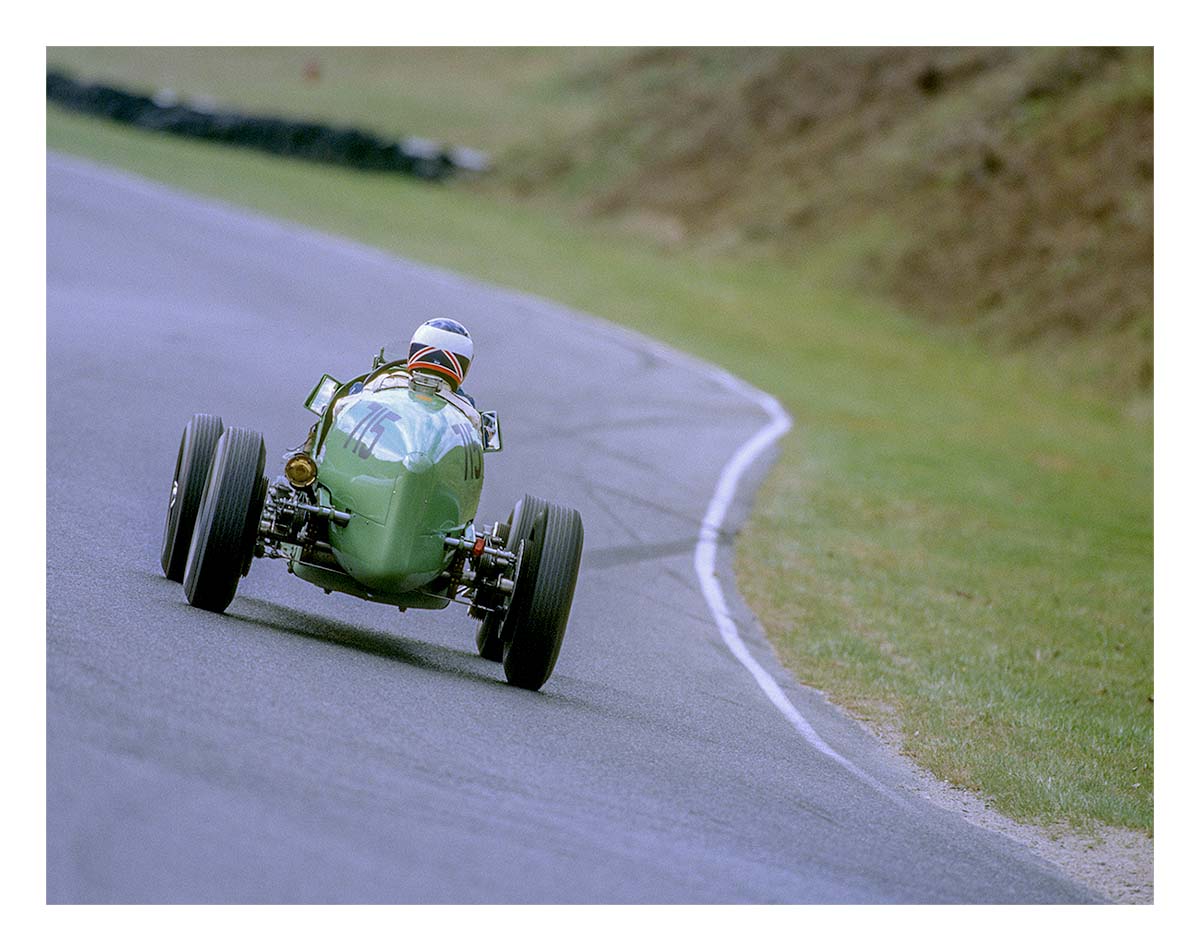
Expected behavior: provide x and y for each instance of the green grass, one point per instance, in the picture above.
(491, 99)
(951, 542)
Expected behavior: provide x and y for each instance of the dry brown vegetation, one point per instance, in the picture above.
(1009, 191)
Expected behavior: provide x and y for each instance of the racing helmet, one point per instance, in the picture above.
(443, 347)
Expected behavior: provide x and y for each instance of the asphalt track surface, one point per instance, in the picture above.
(312, 748)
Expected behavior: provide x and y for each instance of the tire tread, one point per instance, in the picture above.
(197, 446)
(532, 652)
(216, 557)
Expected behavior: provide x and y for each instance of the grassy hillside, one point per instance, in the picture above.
(1005, 191)
(955, 542)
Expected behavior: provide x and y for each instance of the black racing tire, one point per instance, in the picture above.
(196, 449)
(487, 639)
(227, 524)
(537, 618)
(487, 636)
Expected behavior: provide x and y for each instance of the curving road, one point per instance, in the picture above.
(313, 748)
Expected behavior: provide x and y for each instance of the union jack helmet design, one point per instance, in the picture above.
(442, 346)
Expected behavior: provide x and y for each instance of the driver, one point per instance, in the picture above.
(441, 347)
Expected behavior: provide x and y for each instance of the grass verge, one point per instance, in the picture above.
(951, 542)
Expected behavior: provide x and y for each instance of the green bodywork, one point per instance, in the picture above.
(407, 465)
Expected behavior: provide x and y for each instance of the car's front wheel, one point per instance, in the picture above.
(227, 523)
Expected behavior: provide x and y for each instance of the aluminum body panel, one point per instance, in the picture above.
(408, 466)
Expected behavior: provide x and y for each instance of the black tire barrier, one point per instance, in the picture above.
(314, 141)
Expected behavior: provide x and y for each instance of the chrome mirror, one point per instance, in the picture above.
(489, 430)
(322, 395)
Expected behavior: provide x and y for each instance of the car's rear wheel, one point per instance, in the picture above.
(196, 449)
(487, 635)
(533, 628)
(227, 523)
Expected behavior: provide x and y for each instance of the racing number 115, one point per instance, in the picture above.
(372, 423)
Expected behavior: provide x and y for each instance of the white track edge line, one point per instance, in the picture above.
(705, 564)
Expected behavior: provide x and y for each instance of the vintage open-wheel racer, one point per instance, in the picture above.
(380, 502)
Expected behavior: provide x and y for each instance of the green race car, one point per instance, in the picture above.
(380, 503)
